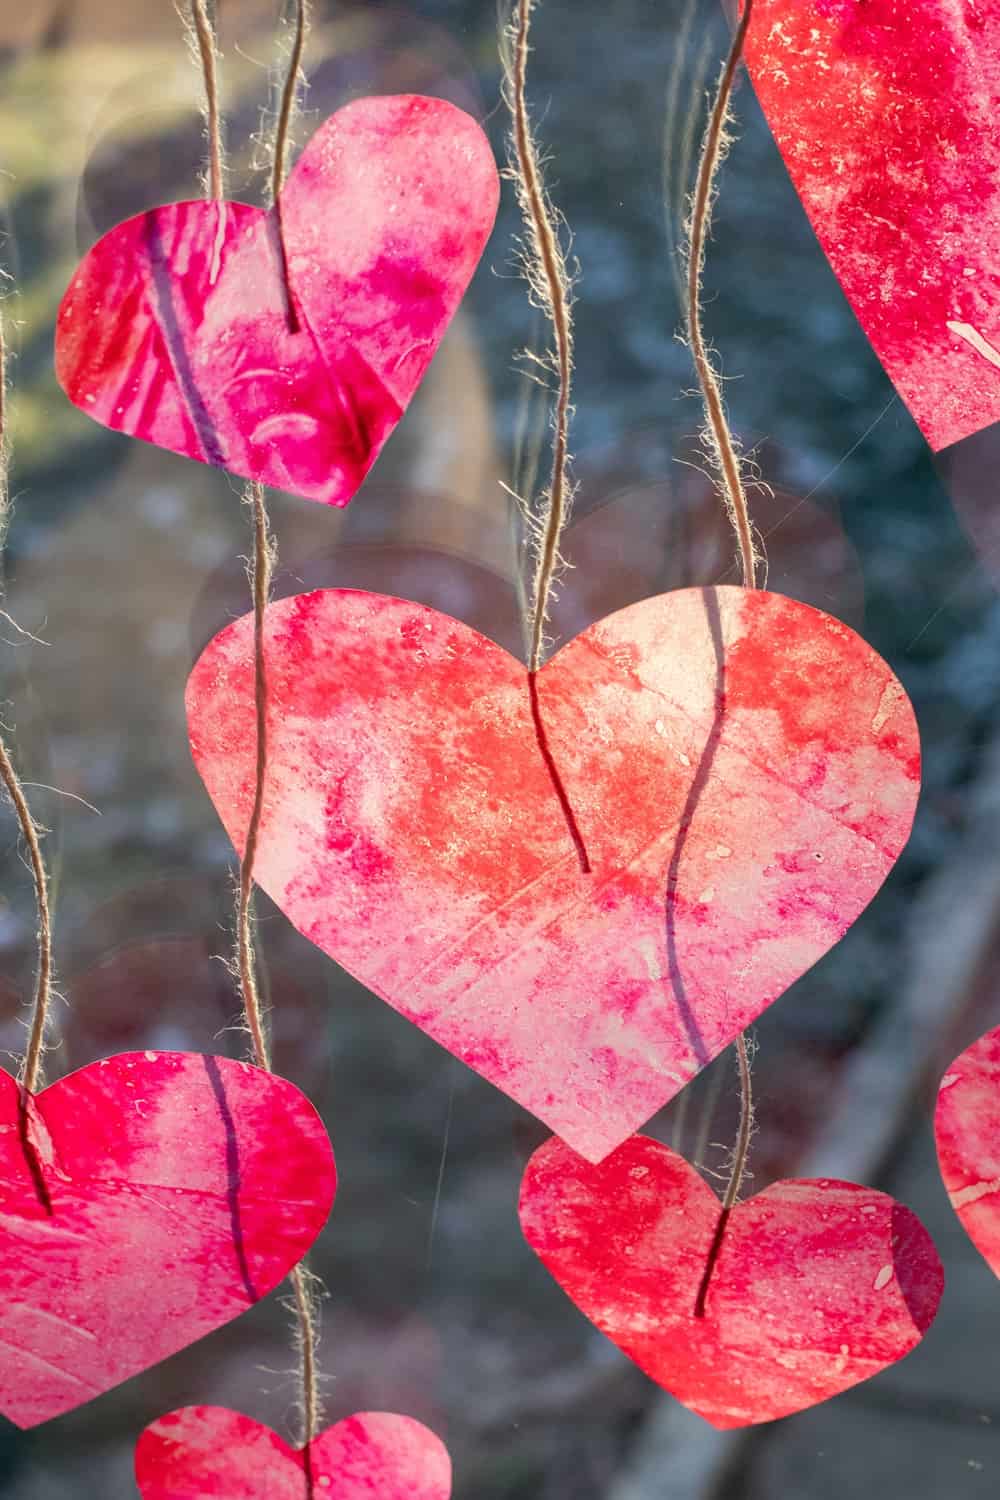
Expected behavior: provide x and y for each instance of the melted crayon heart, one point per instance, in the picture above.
(146, 1200)
(207, 1451)
(967, 1128)
(285, 347)
(885, 114)
(816, 1285)
(737, 771)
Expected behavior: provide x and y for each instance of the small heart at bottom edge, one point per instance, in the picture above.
(204, 1451)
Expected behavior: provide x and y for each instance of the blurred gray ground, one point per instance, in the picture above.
(127, 560)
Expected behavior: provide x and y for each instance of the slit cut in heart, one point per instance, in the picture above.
(147, 1199)
(203, 1452)
(584, 887)
(816, 1285)
(286, 346)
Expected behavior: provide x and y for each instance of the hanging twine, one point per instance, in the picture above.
(544, 264)
(201, 37)
(30, 1073)
(260, 569)
(719, 439)
(289, 100)
(549, 286)
(725, 453)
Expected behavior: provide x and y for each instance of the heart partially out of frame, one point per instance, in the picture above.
(147, 1199)
(205, 1451)
(967, 1130)
(587, 885)
(885, 114)
(811, 1286)
(286, 346)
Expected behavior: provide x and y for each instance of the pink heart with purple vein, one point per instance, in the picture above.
(286, 346)
(585, 885)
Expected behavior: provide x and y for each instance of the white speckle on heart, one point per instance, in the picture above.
(892, 697)
(647, 951)
(883, 1278)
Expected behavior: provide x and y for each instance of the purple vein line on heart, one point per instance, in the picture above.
(234, 1175)
(697, 787)
(169, 325)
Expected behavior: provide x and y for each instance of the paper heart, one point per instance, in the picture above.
(967, 1129)
(286, 347)
(205, 1451)
(817, 1285)
(739, 770)
(146, 1200)
(885, 114)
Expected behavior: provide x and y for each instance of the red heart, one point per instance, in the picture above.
(741, 751)
(288, 355)
(817, 1285)
(204, 1451)
(967, 1128)
(147, 1200)
(885, 114)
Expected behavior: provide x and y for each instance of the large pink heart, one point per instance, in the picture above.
(967, 1127)
(738, 770)
(147, 1200)
(885, 114)
(811, 1287)
(286, 348)
(206, 1451)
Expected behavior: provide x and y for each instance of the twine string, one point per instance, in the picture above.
(260, 571)
(721, 445)
(741, 1152)
(31, 1069)
(282, 135)
(551, 290)
(206, 51)
(30, 1073)
(725, 453)
(289, 96)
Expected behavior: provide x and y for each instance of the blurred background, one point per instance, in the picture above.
(126, 560)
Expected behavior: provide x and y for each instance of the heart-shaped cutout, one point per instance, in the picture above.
(885, 115)
(737, 770)
(285, 346)
(206, 1451)
(816, 1286)
(967, 1130)
(147, 1199)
